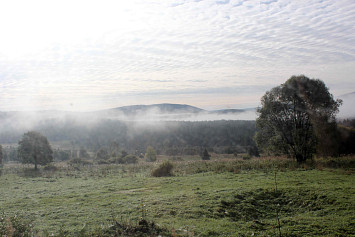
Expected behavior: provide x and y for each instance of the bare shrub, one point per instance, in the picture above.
(164, 170)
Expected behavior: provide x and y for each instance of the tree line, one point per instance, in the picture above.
(111, 137)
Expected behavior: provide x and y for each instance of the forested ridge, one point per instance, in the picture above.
(136, 136)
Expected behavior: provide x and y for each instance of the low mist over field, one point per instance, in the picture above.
(135, 113)
(129, 125)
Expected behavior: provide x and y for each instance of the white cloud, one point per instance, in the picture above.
(62, 52)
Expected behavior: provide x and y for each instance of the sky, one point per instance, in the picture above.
(92, 55)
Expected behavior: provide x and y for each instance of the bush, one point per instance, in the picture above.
(164, 170)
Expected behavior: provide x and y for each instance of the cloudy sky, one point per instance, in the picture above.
(88, 55)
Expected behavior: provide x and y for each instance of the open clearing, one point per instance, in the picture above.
(206, 202)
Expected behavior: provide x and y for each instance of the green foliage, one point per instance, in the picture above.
(34, 148)
(150, 154)
(292, 115)
(164, 170)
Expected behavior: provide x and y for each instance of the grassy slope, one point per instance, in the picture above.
(311, 202)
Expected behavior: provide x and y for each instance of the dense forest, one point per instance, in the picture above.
(170, 138)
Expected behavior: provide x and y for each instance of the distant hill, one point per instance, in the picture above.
(158, 108)
(155, 112)
(130, 110)
(173, 109)
(348, 95)
(232, 111)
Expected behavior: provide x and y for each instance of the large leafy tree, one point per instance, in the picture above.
(34, 148)
(293, 114)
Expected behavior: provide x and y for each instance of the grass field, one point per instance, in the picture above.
(230, 197)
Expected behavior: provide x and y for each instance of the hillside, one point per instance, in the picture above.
(159, 108)
(155, 112)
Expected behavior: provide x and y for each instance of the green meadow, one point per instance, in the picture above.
(221, 197)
